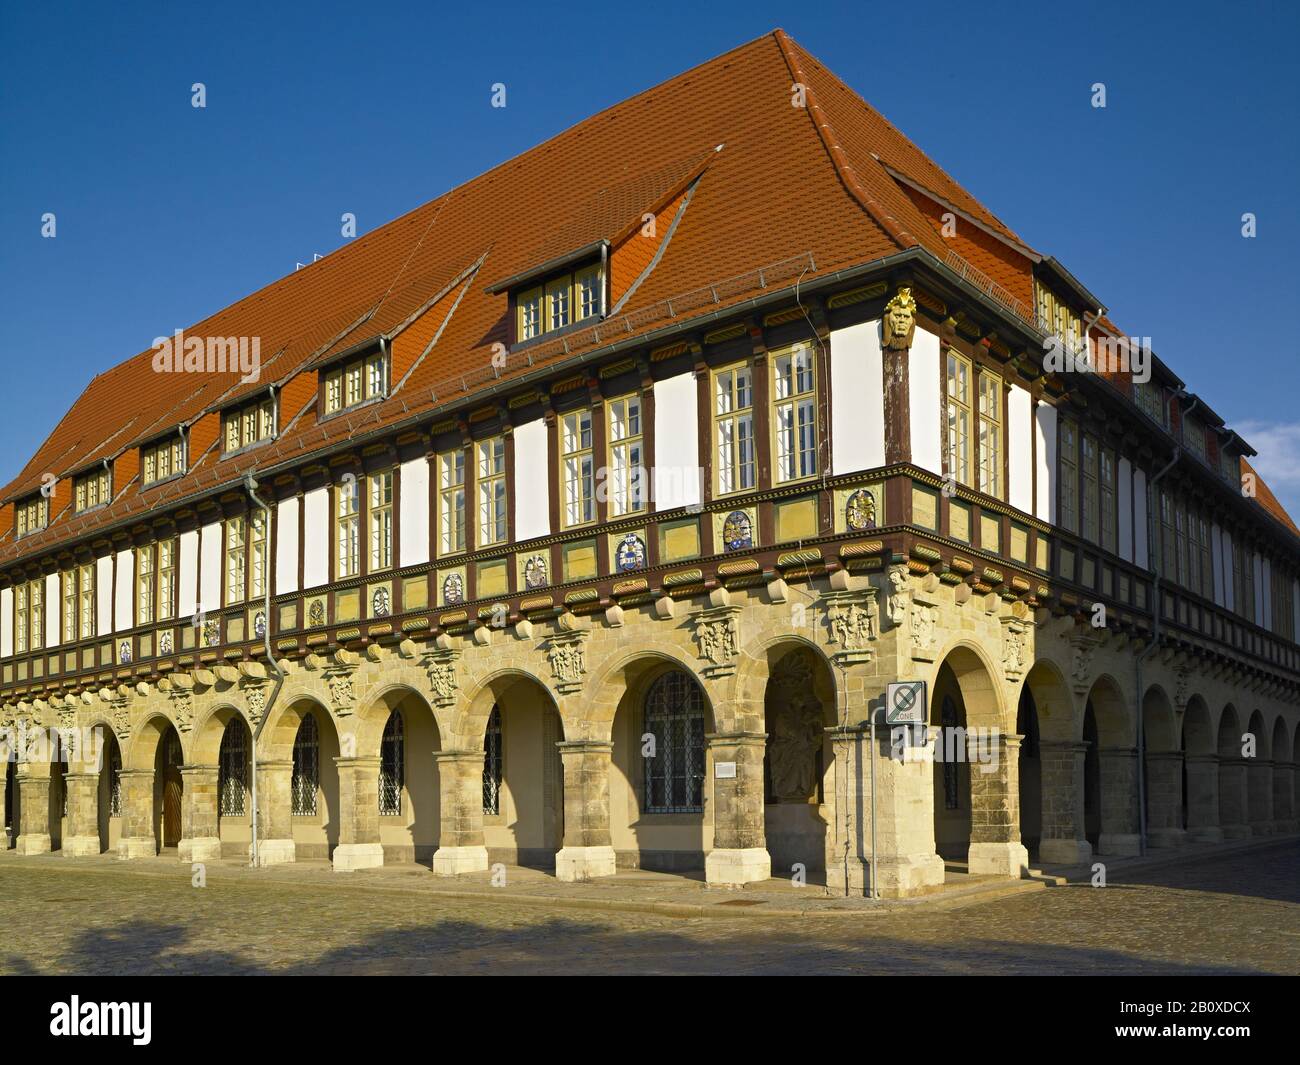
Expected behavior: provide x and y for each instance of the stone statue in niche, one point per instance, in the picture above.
(900, 321)
(794, 717)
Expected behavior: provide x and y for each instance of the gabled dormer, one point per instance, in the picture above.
(92, 488)
(31, 514)
(163, 459)
(249, 423)
(353, 380)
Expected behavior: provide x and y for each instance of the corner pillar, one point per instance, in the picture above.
(200, 835)
(1203, 798)
(1233, 806)
(1119, 813)
(1063, 841)
(33, 781)
(1164, 792)
(83, 814)
(1259, 796)
(995, 846)
(138, 839)
(275, 844)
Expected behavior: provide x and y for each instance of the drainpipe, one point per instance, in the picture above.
(250, 483)
(1157, 610)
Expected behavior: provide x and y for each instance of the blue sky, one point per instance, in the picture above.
(166, 212)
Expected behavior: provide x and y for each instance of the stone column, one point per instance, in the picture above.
(33, 780)
(83, 814)
(358, 846)
(739, 854)
(274, 813)
(1284, 819)
(995, 846)
(588, 849)
(461, 846)
(1165, 799)
(1232, 798)
(1063, 841)
(848, 836)
(5, 755)
(1119, 809)
(1203, 799)
(138, 839)
(1259, 795)
(200, 835)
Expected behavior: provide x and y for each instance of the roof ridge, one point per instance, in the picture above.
(830, 140)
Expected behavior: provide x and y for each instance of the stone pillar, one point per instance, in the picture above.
(83, 814)
(461, 847)
(1203, 799)
(1232, 798)
(1165, 799)
(1063, 841)
(358, 846)
(905, 860)
(4, 787)
(739, 854)
(1284, 819)
(1119, 808)
(275, 844)
(33, 780)
(588, 849)
(200, 835)
(138, 839)
(995, 846)
(1259, 795)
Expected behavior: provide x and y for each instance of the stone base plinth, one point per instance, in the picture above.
(81, 846)
(1064, 852)
(1237, 832)
(199, 849)
(731, 867)
(452, 861)
(1205, 834)
(1262, 828)
(349, 857)
(997, 859)
(584, 863)
(136, 847)
(903, 876)
(274, 852)
(1164, 838)
(1125, 844)
(34, 843)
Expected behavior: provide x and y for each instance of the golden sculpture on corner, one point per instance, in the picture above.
(900, 321)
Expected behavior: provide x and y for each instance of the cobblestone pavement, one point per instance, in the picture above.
(1233, 913)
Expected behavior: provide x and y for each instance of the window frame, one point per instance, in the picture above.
(809, 397)
(379, 520)
(625, 492)
(492, 528)
(959, 417)
(587, 499)
(345, 529)
(733, 417)
(339, 378)
(446, 490)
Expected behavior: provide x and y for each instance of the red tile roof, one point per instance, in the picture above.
(807, 187)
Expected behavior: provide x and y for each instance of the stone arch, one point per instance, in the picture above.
(1283, 778)
(142, 746)
(800, 703)
(1110, 786)
(523, 773)
(642, 838)
(1053, 705)
(315, 835)
(1197, 736)
(965, 697)
(210, 729)
(1263, 738)
(748, 690)
(632, 670)
(1163, 770)
(411, 832)
(1159, 721)
(1110, 712)
(1233, 803)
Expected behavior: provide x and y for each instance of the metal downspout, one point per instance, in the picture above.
(250, 483)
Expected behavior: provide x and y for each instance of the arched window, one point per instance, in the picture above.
(306, 768)
(948, 719)
(392, 763)
(492, 763)
(231, 772)
(115, 781)
(674, 772)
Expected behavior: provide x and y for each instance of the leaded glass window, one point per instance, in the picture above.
(492, 763)
(232, 773)
(306, 768)
(674, 772)
(392, 764)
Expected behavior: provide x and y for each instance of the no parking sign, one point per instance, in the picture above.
(905, 702)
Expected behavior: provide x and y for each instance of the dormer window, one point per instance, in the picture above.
(1150, 400)
(1229, 465)
(32, 515)
(163, 459)
(248, 425)
(92, 489)
(357, 381)
(559, 302)
(1056, 318)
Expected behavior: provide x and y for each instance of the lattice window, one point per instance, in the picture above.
(492, 763)
(948, 719)
(306, 768)
(392, 765)
(674, 775)
(115, 782)
(232, 772)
